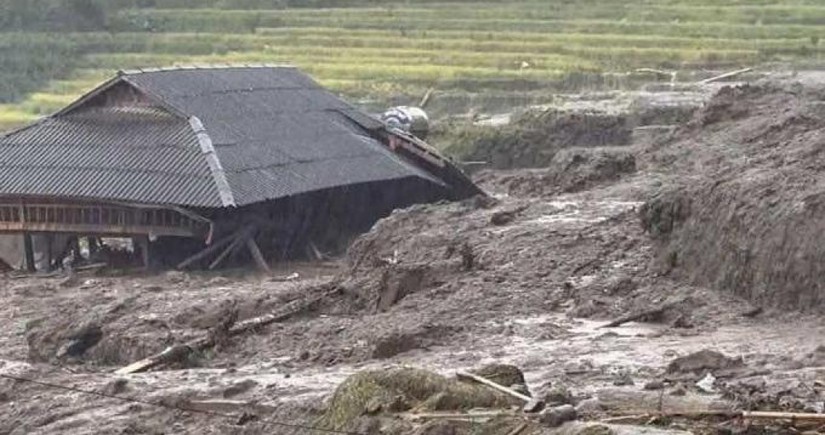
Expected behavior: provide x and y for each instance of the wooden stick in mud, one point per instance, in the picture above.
(518, 429)
(177, 352)
(456, 415)
(764, 415)
(752, 415)
(532, 405)
(725, 76)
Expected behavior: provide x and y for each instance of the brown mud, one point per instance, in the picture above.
(528, 277)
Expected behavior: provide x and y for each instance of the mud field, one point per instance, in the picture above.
(701, 239)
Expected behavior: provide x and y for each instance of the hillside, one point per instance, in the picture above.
(488, 54)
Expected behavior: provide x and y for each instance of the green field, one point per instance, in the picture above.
(393, 52)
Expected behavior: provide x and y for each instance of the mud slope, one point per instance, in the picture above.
(744, 209)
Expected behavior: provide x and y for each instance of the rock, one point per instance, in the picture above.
(679, 390)
(704, 360)
(596, 429)
(239, 388)
(80, 340)
(623, 379)
(503, 217)
(69, 282)
(521, 388)
(116, 387)
(502, 374)
(395, 343)
(218, 281)
(589, 406)
(559, 415)
(558, 395)
(814, 407)
(176, 277)
(706, 384)
(654, 385)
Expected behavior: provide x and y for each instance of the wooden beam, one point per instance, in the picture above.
(209, 250)
(229, 249)
(260, 261)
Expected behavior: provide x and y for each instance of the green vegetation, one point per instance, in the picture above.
(393, 51)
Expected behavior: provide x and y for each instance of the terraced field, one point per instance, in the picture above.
(393, 52)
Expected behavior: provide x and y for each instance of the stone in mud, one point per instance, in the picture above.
(559, 415)
(116, 387)
(654, 385)
(558, 395)
(702, 361)
(589, 406)
(82, 339)
(679, 390)
(596, 429)
(623, 379)
(239, 388)
(502, 374)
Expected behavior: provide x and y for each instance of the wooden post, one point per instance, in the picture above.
(28, 246)
(49, 247)
(142, 243)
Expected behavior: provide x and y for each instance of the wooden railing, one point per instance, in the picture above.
(97, 219)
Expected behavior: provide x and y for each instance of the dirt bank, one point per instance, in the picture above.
(742, 209)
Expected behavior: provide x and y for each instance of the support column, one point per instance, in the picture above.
(28, 247)
(142, 243)
(49, 248)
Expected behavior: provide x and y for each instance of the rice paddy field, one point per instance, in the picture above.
(389, 52)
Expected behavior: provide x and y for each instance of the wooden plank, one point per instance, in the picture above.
(725, 76)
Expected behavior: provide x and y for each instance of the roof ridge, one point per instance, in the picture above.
(215, 166)
(145, 70)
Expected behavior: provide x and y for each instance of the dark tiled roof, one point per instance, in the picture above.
(100, 154)
(273, 130)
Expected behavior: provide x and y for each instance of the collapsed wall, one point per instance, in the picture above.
(745, 208)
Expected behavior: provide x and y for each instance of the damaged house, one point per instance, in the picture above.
(200, 166)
